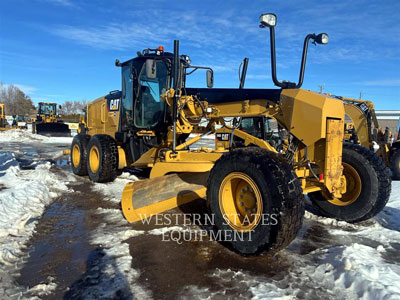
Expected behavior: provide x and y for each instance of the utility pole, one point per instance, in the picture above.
(361, 94)
(321, 87)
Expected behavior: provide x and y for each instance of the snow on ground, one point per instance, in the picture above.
(24, 194)
(23, 197)
(24, 136)
(113, 190)
(366, 265)
(113, 272)
(359, 266)
(362, 263)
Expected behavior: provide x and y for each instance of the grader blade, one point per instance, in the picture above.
(144, 198)
(53, 129)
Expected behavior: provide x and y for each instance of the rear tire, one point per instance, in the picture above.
(102, 161)
(272, 198)
(373, 194)
(395, 164)
(79, 154)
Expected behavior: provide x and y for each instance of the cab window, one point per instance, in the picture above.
(149, 107)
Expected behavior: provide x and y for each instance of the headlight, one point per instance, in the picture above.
(268, 20)
(322, 38)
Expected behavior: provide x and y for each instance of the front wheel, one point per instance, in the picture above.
(368, 187)
(255, 201)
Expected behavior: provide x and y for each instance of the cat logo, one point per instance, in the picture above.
(114, 104)
(222, 136)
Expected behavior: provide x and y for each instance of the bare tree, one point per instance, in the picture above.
(73, 107)
(66, 108)
(15, 100)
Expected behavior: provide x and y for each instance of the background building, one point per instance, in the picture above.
(389, 118)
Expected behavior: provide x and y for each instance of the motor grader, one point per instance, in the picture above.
(155, 120)
(48, 122)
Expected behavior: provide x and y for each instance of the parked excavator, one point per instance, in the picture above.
(155, 120)
(48, 122)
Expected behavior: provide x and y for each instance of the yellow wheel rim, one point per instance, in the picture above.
(94, 159)
(353, 187)
(76, 155)
(240, 202)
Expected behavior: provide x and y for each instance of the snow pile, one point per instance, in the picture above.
(42, 289)
(24, 136)
(113, 190)
(342, 272)
(24, 194)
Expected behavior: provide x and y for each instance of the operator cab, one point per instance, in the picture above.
(144, 79)
(47, 109)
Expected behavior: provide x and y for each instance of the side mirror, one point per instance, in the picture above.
(151, 71)
(210, 78)
(59, 107)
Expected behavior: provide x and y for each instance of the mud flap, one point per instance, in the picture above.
(144, 198)
(333, 157)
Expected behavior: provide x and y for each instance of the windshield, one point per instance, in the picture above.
(47, 109)
(148, 105)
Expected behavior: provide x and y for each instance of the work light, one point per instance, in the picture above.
(268, 20)
(322, 38)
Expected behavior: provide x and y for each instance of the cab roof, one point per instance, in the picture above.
(148, 55)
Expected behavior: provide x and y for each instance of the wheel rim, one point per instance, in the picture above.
(76, 155)
(94, 159)
(353, 187)
(240, 202)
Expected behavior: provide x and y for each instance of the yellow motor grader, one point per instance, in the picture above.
(155, 120)
(48, 122)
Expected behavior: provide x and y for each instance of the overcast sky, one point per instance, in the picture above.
(58, 50)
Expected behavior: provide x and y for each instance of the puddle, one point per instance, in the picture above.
(64, 164)
(60, 245)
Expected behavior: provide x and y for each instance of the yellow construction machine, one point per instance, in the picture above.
(365, 130)
(48, 122)
(2, 116)
(155, 120)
